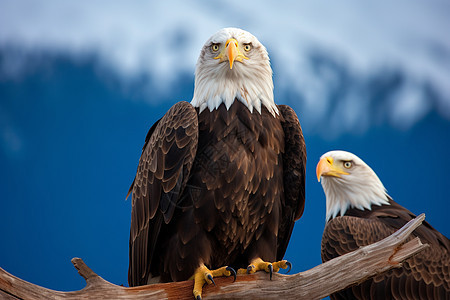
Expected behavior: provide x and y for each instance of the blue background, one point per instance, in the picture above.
(72, 129)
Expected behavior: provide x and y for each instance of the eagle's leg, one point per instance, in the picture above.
(204, 275)
(258, 264)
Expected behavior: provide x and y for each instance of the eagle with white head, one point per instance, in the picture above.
(221, 180)
(359, 212)
(232, 65)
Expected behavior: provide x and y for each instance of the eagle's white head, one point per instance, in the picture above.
(348, 182)
(233, 64)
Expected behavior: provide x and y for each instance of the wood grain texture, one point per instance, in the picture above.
(316, 283)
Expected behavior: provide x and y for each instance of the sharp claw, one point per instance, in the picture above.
(209, 276)
(232, 272)
(270, 270)
(249, 268)
(288, 263)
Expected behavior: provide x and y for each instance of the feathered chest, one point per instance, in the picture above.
(237, 175)
(237, 143)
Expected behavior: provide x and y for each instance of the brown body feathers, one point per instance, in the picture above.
(424, 276)
(218, 188)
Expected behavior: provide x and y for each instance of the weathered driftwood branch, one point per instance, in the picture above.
(315, 283)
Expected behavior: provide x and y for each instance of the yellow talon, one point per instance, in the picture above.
(282, 264)
(242, 271)
(203, 275)
(258, 264)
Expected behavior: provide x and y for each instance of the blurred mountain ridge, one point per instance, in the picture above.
(332, 98)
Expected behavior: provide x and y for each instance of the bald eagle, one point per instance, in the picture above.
(221, 180)
(359, 213)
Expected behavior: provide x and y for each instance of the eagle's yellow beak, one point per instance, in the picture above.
(326, 167)
(232, 52)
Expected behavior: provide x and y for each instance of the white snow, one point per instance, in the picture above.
(164, 38)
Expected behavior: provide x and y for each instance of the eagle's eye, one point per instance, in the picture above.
(247, 47)
(347, 164)
(215, 47)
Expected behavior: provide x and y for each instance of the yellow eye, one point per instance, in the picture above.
(215, 47)
(347, 164)
(247, 47)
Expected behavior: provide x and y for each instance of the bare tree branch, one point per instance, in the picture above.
(315, 283)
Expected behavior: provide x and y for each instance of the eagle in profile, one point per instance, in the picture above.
(221, 180)
(359, 213)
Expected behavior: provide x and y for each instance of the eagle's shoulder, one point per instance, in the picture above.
(345, 234)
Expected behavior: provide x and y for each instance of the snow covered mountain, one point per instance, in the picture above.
(345, 65)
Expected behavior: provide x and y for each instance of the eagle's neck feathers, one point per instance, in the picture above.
(249, 82)
(361, 191)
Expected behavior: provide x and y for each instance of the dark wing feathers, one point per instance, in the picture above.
(165, 165)
(163, 170)
(424, 276)
(294, 164)
(147, 138)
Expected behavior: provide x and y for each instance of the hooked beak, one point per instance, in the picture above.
(231, 52)
(326, 167)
